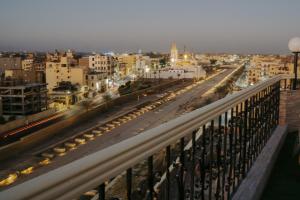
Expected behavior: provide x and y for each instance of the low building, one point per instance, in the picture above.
(66, 94)
(192, 72)
(23, 99)
(97, 81)
(19, 74)
(10, 62)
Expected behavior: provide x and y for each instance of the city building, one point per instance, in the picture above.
(64, 68)
(141, 63)
(98, 63)
(126, 64)
(97, 81)
(266, 66)
(27, 76)
(66, 94)
(191, 72)
(19, 98)
(84, 62)
(10, 62)
(27, 64)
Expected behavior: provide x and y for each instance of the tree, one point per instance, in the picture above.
(127, 84)
(221, 89)
(162, 62)
(208, 101)
(213, 61)
(107, 97)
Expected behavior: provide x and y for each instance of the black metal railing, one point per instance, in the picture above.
(220, 155)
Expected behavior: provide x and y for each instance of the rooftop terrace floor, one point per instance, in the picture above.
(284, 182)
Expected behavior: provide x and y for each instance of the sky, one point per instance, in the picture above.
(204, 26)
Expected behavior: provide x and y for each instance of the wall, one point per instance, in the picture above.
(23, 121)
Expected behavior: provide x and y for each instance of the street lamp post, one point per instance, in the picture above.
(294, 46)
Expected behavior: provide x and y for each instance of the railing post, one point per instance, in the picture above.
(218, 167)
(230, 177)
(241, 132)
(150, 177)
(101, 191)
(168, 163)
(245, 138)
(203, 163)
(251, 130)
(193, 164)
(129, 183)
(211, 159)
(224, 160)
(182, 166)
(235, 146)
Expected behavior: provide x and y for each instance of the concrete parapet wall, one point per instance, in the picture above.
(27, 119)
(253, 185)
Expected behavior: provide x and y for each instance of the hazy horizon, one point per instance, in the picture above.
(208, 26)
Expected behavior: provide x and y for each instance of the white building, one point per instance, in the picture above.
(191, 72)
(142, 63)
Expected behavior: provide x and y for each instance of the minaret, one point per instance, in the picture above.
(174, 54)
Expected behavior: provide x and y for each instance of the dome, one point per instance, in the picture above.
(294, 44)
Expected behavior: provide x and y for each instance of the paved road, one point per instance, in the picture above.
(27, 157)
(146, 121)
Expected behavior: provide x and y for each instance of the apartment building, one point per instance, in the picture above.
(27, 64)
(127, 64)
(99, 63)
(64, 68)
(10, 62)
(19, 98)
(97, 81)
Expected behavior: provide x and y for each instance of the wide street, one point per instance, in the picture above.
(150, 119)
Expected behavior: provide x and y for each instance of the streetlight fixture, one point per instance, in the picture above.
(294, 46)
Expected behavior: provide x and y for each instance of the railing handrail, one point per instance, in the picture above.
(81, 175)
